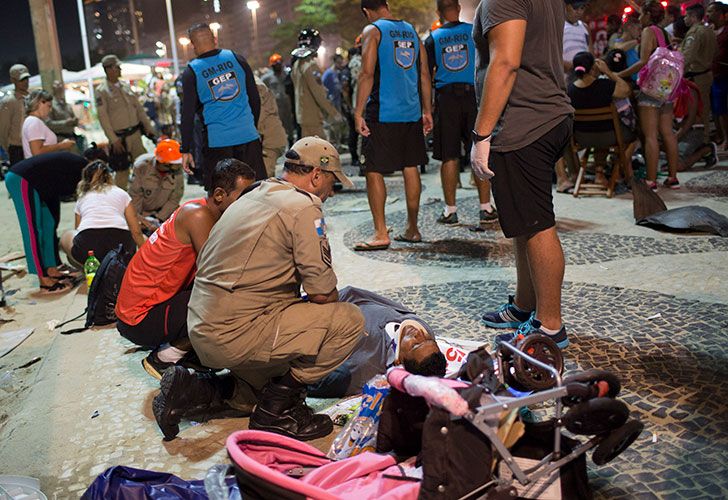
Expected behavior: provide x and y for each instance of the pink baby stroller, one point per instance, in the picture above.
(445, 439)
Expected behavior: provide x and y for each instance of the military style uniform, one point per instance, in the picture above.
(12, 114)
(311, 101)
(119, 109)
(246, 312)
(61, 111)
(699, 47)
(270, 128)
(276, 84)
(154, 193)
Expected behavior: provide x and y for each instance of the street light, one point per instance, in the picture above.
(161, 49)
(253, 6)
(215, 27)
(184, 42)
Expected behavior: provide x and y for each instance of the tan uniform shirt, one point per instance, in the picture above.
(698, 47)
(57, 119)
(119, 108)
(265, 246)
(272, 134)
(154, 193)
(12, 115)
(311, 101)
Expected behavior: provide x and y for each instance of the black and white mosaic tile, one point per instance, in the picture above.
(458, 246)
(713, 184)
(672, 369)
(355, 199)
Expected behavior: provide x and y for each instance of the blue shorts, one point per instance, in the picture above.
(719, 97)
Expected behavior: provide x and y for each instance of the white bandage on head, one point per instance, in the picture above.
(407, 322)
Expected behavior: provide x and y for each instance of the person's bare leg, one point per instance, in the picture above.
(600, 161)
(669, 141)
(723, 121)
(563, 181)
(649, 123)
(692, 159)
(412, 190)
(450, 177)
(546, 260)
(67, 244)
(483, 190)
(377, 196)
(525, 298)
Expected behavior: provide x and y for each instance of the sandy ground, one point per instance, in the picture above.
(86, 405)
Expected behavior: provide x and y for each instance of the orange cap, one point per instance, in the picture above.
(167, 151)
(275, 59)
(435, 25)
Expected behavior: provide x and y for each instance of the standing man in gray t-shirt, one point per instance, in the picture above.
(525, 117)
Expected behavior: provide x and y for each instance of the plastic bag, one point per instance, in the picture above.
(360, 433)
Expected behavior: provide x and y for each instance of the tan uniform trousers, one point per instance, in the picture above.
(135, 146)
(704, 82)
(311, 129)
(311, 340)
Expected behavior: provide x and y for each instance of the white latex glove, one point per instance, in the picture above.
(479, 155)
(437, 393)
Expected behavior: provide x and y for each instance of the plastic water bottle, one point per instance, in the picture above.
(90, 267)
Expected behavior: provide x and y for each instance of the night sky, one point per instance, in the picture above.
(17, 31)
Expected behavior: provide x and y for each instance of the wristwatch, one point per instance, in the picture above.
(479, 138)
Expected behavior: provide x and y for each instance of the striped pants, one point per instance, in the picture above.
(38, 225)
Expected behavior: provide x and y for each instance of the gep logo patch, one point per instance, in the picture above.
(404, 53)
(455, 57)
(224, 87)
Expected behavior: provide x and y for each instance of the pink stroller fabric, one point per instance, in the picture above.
(269, 456)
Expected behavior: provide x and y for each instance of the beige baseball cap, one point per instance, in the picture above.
(316, 152)
(19, 72)
(110, 60)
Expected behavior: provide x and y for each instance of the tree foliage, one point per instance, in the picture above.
(344, 19)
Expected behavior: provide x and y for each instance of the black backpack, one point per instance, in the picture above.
(103, 291)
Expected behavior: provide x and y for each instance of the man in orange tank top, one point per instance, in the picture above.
(152, 302)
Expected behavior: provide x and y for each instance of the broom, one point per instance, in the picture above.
(645, 201)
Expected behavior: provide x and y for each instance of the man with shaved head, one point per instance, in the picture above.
(219, 87)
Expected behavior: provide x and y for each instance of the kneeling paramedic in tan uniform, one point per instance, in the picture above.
(246, 312)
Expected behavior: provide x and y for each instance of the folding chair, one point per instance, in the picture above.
(611, 140)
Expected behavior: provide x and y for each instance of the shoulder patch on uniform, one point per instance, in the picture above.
(320, 225)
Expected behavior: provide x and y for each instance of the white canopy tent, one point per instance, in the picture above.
(129, 71)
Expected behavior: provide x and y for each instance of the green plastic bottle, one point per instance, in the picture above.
(90, 267)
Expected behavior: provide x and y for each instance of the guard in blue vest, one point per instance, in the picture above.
(451, 59)
(395, 89)
(219, 87)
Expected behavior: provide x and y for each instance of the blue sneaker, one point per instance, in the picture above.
(507, 316)
(534, 326)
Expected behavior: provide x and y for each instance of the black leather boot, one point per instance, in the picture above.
(283, 410)
(191, 396)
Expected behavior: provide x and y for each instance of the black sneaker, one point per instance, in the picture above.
(283, 410)
(448, 219)
(506, 316)
(488, 217)
(155, 366)
(711, 158)
(534, 326)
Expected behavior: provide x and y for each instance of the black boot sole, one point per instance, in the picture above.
(163, 406)
(252, 425)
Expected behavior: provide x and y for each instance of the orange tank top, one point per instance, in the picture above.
(158, 271)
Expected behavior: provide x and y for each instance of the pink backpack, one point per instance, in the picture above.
(660, 77)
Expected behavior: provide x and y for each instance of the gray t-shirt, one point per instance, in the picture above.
(538, 101)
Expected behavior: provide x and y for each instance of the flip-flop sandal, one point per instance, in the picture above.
(405, 239)
(567, 190)
(365, 246)
(56, 288)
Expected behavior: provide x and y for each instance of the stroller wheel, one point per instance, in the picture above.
(616, 442)
(543, 349)
(596, 378)
(596, 416)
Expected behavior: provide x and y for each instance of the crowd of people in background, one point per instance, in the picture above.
(220, 276)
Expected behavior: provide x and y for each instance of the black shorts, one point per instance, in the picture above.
(101, 241)
(250, 153)
(393, 146)
(523, 180)
(454, 120)
(164, 323)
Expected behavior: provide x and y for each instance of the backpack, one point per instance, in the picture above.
(660, 77)
(103, 291)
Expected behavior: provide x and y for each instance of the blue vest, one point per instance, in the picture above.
(454, 55)
(224, 97)
(399, 72)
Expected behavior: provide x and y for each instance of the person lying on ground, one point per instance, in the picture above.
(158, 184)
(394, 336)
(246, 312)
(105, 217)
(152, 303)
(690, 138)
